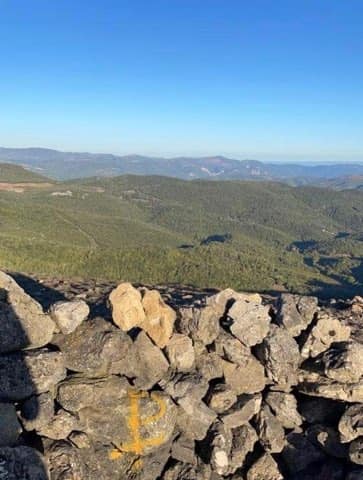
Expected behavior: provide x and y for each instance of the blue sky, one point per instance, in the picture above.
(272, 80)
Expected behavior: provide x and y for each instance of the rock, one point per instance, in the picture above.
(189, 386)
(280, 354)
(224, 299)
(69, 315)
(284, 407)
(270, 431)
(194, 418)
(10, 427)
(60, 426)
(221, 398)
(320, 386)
(220, 448)
(328, 440)
(246, 407)
(265, 468)
(247, 378)
(138, 423)
(182, 471)
(159, 318)
(209, 365)
(251, 321)
(342, 362)
(180, 352)
(183, 450)
(202, 324)
(355, 474)
(127, 309)
(231, 349)
(356, 451)
(351, 424)
(326, 331)
(37, 411)
(65, 462)
(23, 463)
(23, 322)
(79, 439)
(299, 453)
(23, 374)
(78, 392)
(150, 364)
(296, 313)
(97, 348)
(243, 441)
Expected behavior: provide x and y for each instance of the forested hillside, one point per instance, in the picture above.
(252, 236)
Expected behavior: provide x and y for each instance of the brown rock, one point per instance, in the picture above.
(180, 352)
(265, 468)
(159, 318)
(247, 378)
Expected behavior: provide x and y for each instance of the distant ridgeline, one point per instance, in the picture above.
(255, 236)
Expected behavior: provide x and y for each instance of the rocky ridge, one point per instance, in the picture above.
(117, 382)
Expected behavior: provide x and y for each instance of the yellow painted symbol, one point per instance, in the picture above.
(135, 421)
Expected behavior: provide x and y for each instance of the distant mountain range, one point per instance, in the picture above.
(71, 165)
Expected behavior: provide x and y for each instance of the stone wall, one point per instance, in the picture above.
(231, 386)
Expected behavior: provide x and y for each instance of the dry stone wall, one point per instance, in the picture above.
(230, 387)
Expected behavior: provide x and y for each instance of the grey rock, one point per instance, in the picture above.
(23, 322)
(37, 411)
(183, 450)
(351, 424)
(231, 349)
(22, 463)
(221, 397)
(265, 468)
(209, 365)
(150, 364)
(79, 439)
(24, 374)
(78, 392)
(342, 362)
(149, 417)
(326, 331)
(243, 441)
(246, 407)
(191, 386)
(312, 383)
(69, 315)
(60, 426)
(183, 471)
(251, 321)
(299, 453)
(270, 431)
(247, 378)
(10, 427)
(356, 451)
(65, 462)
(224, 299)
(97, 348)
(202, 324)
(194, 418)
(180, 352)
(280, 354)
(284, 407)
(220, 448)
(296, 313)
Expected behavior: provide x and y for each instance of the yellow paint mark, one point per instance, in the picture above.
(135, 421)
(115, 454)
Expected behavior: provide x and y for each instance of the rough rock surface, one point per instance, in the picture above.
(182, 385)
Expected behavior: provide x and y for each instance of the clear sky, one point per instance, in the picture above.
(261, 79)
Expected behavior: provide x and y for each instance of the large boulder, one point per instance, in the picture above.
(23, 322)
(96, 348)
(250, 321)
(127, 309)
(159, 318)
(295, 312)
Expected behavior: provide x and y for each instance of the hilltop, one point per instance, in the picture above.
(17, 174)
(261, 236)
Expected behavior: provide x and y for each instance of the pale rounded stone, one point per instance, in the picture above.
(69, 315)
(127, 309)
(159, 318)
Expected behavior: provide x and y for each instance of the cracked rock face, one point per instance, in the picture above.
(228, 387)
